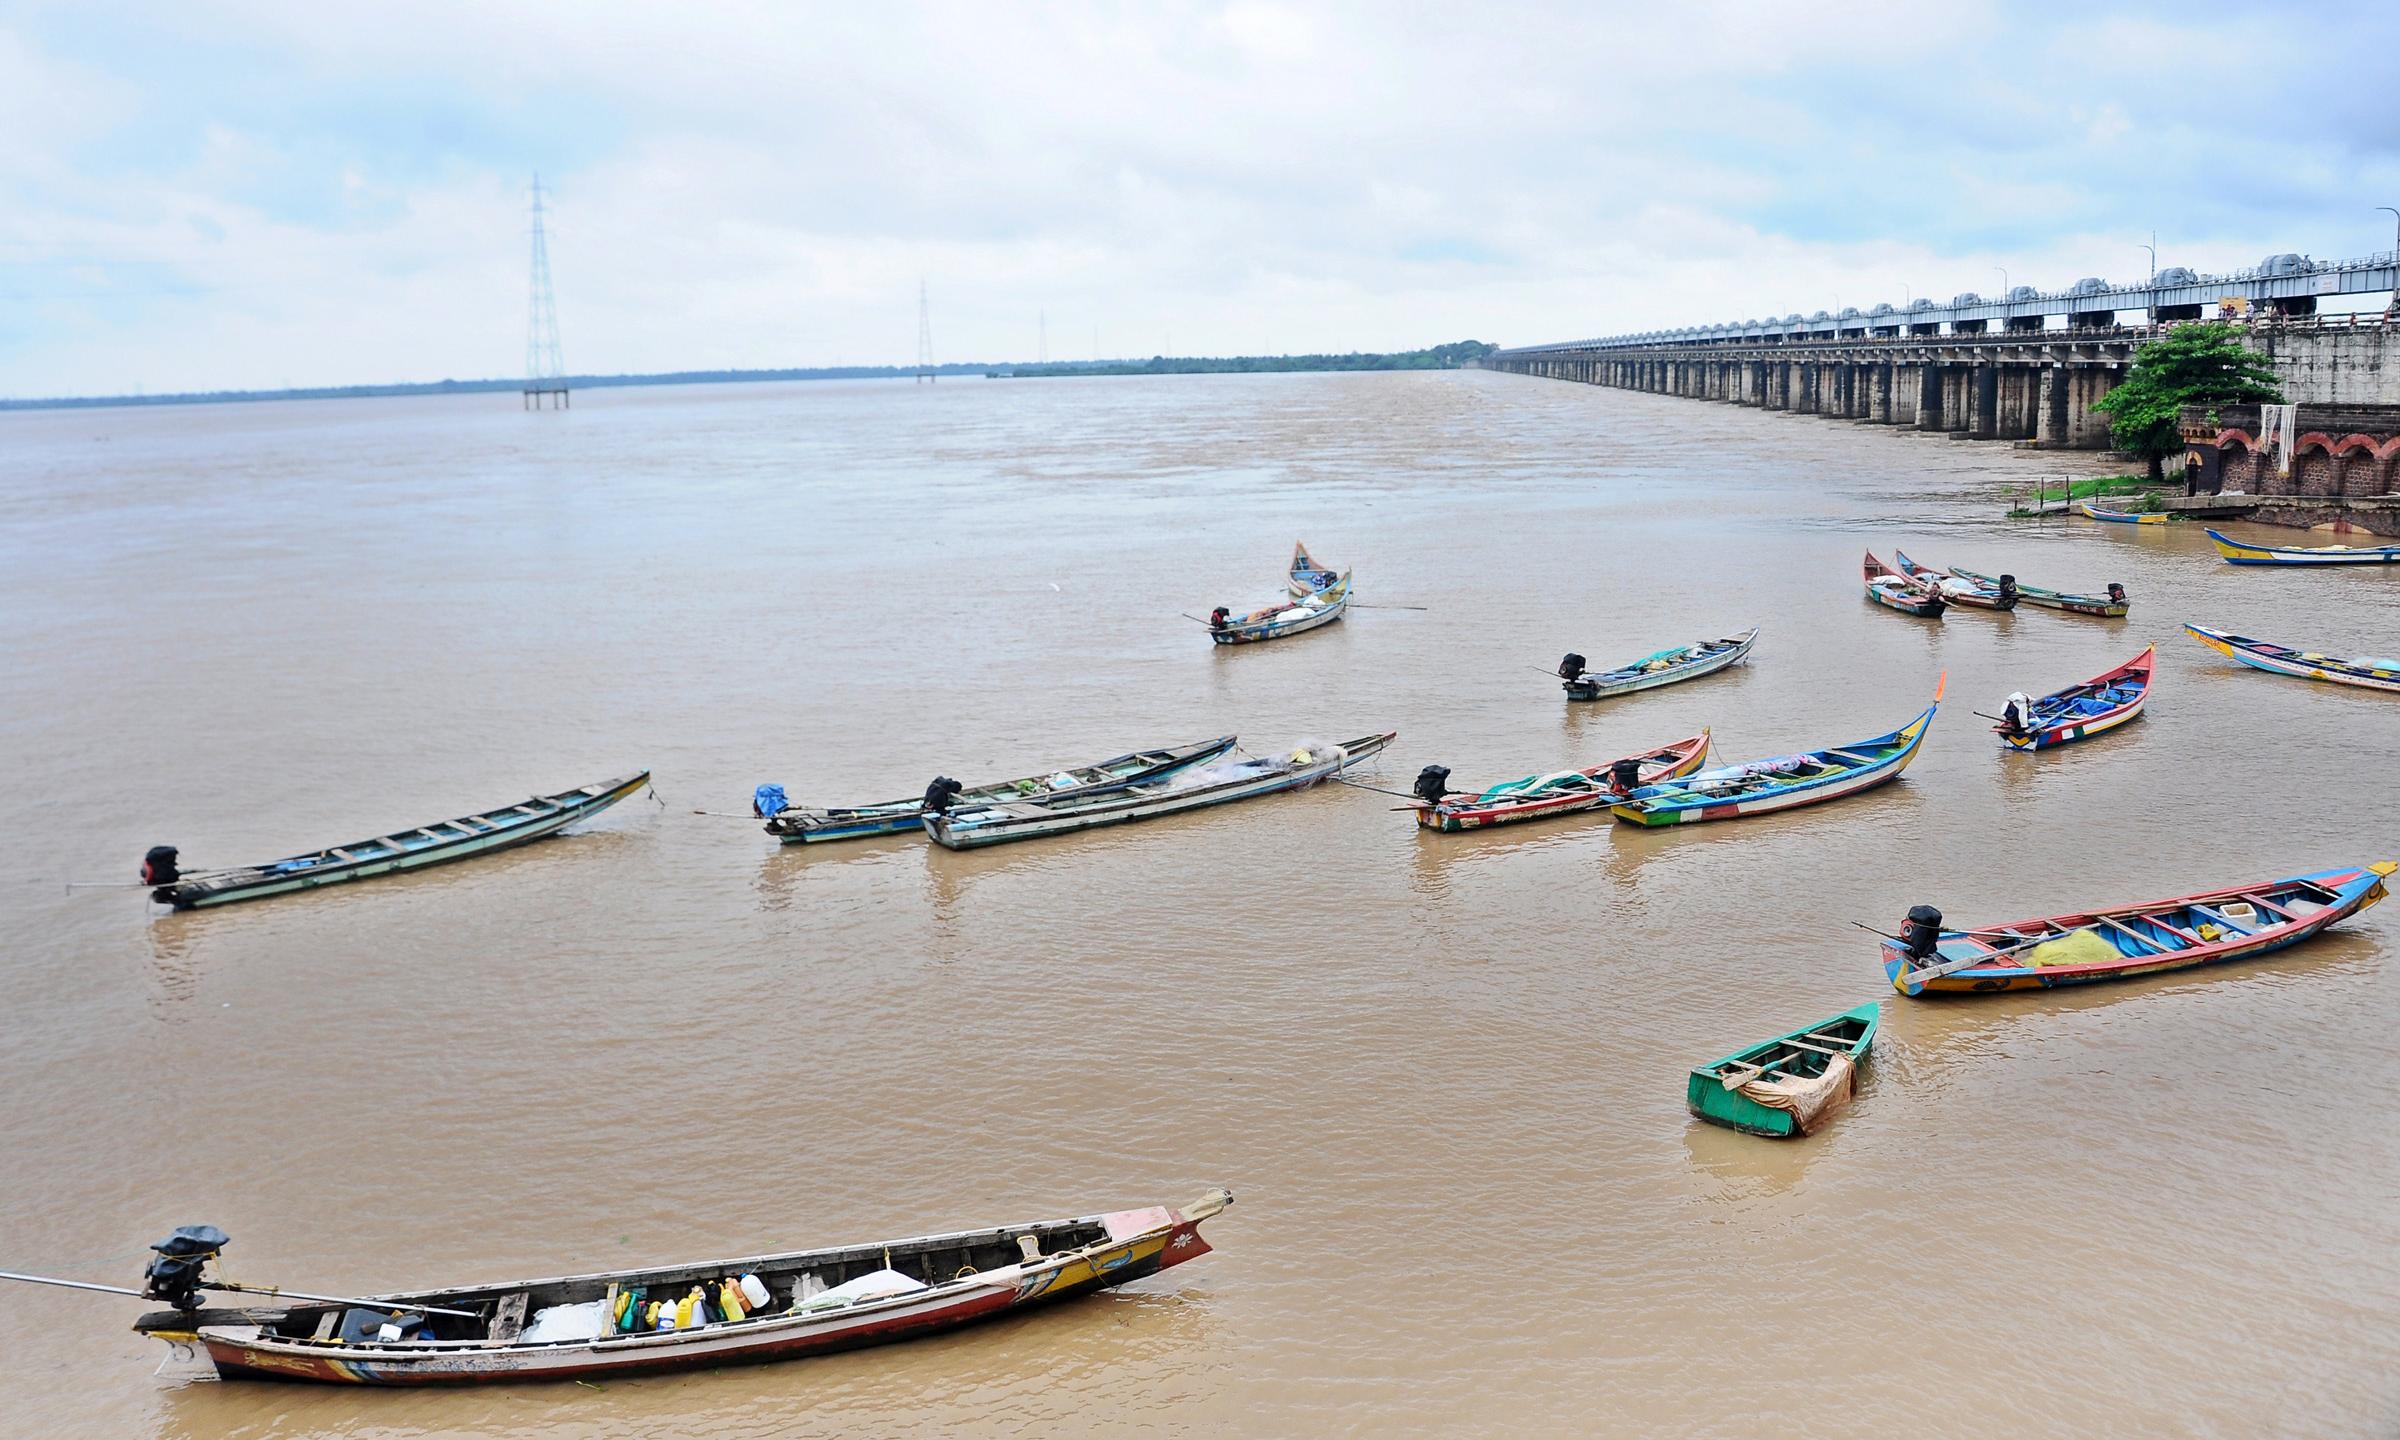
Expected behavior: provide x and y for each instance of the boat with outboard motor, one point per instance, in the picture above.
(1789, 1085)
(1287, 617)
(2078, 712)
(1734, 792)
(2368, 672)
(748, 1310)
(2112, 605)
(1659, 667)
(2121, 942)
(1307, 576)
(1888, 587)
(2237, 553)
(439, 843)
(1538, 797)
(1221, 783)
(1958, 589)
(800, 825)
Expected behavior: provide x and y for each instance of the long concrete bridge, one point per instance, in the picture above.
(2029, 366)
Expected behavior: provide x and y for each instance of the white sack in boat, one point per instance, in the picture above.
(588, 1321)
(872, 1286)
(1809, 1100)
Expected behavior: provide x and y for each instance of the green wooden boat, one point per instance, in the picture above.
(1789, 1085)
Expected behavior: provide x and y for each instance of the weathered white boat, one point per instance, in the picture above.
(1290, 617)
(800, 825)
(1660, 667)
(1218, 784)
(435, 844)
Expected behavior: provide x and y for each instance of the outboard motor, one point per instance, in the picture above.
(1571, 668)
(1433, 782)
(158, 867)
(175, 1275)
(940, 793)
(1625, 776)
(768, 801)
(1218, 617)
(2116, 593)
(1921, 932)
(2016, 717)
(2008, 587)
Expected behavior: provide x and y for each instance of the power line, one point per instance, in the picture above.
(545, 366)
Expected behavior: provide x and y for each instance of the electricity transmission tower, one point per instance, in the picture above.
(545, 371)
(924, 337)
(1045, 346)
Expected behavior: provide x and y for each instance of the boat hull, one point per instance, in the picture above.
(2120, 517)
(2354, 890)
(1706, 1096)
(2136, 673)
(907, 817)
(1685, 756)
(1248, 631)
(2283, 660)
(2237, 553)
(2064, 601)
(1973, 594)
(1683, 803)
(204, 893)
(1599, 686)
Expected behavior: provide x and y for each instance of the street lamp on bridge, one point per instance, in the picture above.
(2392, 311)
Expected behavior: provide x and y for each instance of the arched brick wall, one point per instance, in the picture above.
(2313, 470)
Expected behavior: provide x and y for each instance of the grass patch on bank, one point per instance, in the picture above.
(2041, 499)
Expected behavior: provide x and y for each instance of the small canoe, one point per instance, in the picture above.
(1734, 792)
(1218, 784)
(2111, 605)
(600, 1325)
(2129, 940)
(1290, 617)
(1660, 667)
(1307, 576)
(437, 844)
(2238, 553)
(801, 826)
(2079, 712)
(2367, 672)
(1567, 792)
(2121, 517)
(1789, 1085)
(1957, 589)
(1886, 586)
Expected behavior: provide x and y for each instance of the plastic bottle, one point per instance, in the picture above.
(755, 1291)
(729, 1300)
(683, 1312)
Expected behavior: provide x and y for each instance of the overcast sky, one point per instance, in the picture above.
(271, 193)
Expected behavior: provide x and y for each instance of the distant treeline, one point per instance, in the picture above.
(1440, 357)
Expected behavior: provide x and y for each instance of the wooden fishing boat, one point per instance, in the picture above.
(799, 825)
(1733, 792)
(2127, 940)
(1957, 589)
(1307, 576)
(1566, 792)
(812, 1302)
(1789, 1085)
(2238, 553)
(437, 844)
(1886, 586)
(2079, 712)
(1290, 617)
(1217, 784)
(1659, 667)
(2121, 517)
(2112, 605)
(2366, 672)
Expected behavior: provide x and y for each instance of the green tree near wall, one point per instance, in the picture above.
(2190, 365)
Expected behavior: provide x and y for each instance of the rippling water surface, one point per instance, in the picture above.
(1443, 1074)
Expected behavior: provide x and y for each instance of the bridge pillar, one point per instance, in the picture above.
(1879, 394)
(1929, 396)
(2086, 428)
(2013, 407)
(1983, 402)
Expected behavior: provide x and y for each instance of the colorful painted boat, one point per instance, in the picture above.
(1659, 667)
(2366, 672)
(2240, 554)
(437, 844)
(815, 1302)
(799, 825)
(2112, 605)
(2079, 712)
(2127, 940)
(1290, 617)
(1734, 792)
(1218, 784)
(1789, 1085)
(1957, 589)
(2121, 517)
(1567, 792)
(1307, 576)
(1886, 586)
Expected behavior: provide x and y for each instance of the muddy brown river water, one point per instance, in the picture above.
(1443, 1074)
